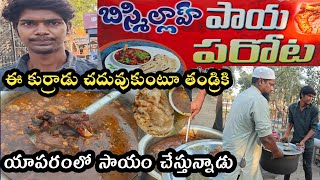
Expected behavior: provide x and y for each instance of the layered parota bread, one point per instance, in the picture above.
(153, 112)
(160, 62)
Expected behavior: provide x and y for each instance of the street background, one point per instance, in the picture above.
(206, 117)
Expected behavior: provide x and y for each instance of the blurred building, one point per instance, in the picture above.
(11, 47)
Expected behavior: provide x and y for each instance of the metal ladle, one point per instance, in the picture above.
(188, 129)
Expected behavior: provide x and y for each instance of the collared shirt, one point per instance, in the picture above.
(317, 134)
(248, 120)
(303, 121)
(80, 66)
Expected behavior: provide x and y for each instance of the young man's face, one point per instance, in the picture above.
(307, 99)
(42, 31)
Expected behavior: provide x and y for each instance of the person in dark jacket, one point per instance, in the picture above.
(303, 117)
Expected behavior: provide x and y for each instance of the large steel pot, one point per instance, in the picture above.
(285, 165)
(148, 140)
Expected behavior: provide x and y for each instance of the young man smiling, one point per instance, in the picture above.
(42, 26)
(303, 117)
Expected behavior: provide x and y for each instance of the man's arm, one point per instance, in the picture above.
(261, 117)
(287, 133)
(196, 104)
(308, 136)
(270, 143)
(314, 127)
(289, 126)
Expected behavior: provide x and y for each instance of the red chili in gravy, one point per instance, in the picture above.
(132, 56)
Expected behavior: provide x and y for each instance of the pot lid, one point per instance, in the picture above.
(288, 149)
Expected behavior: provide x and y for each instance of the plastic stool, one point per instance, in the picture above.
(316, 151)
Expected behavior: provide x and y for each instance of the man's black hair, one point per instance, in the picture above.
(305, 90)
(13, 10)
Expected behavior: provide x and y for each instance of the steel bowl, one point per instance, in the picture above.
(204, 132)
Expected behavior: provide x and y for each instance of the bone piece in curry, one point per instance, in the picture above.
(77, 121)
